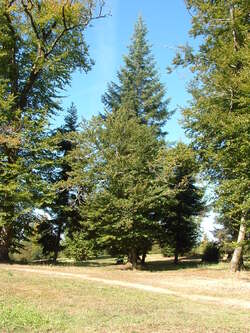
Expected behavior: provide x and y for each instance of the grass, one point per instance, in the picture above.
(35, 303)
(18, 315)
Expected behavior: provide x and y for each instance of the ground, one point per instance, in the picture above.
(102, 297)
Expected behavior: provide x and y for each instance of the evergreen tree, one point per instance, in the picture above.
(182, 203)
(41, 44)
(217, 119)
(138, 84)
(60, 213)
(115, 178)
(116, 212)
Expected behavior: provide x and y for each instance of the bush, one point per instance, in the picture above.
(79, 248)
(167, 251)
(211, 253)
(30, 251)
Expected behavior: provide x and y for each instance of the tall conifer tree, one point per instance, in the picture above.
(138, 83)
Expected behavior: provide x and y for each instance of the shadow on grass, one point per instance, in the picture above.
(151, 266)
(184, 263)
(169, 265)
(102, 261)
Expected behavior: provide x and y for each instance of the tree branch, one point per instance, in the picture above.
(35, 72)
(14, 63)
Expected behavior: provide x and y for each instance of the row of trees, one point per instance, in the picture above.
(112, 183)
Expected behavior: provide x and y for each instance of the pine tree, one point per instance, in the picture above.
(217, 119)
(138, 84)
(182, 204)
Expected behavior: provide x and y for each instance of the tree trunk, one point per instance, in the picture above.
(133, 258)
(6, 235)
(238, 251)
(4, 253)
(176, 255)
(57, 245)
(143, 258)
(55, 255)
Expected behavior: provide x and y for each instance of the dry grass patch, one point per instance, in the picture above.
(39, 303)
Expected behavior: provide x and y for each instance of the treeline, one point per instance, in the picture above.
(113, 183)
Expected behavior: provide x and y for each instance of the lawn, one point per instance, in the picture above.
(34, 302)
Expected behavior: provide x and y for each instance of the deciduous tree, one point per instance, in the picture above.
(218, 118)
(41, 44)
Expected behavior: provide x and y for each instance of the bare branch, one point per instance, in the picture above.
(64, 19)
(188, 8)
(9, 3)
(14, 63)
(28, 12)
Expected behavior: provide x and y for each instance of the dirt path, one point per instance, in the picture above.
(203, 298)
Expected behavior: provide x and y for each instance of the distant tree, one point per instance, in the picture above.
(59, 211)
(218, 118)
(41, 44)
(138, 84)
(182, 203)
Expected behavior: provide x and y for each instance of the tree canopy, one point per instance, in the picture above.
(217, 119)
(41, 44)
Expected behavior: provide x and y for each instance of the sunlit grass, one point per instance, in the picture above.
(34, 303)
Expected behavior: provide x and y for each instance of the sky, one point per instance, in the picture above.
(168, 24)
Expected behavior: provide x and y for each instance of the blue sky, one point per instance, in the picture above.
(168, 23)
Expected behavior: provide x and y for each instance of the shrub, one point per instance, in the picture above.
(79, 248)
(211, 252)
(30, 251)
(167, 251)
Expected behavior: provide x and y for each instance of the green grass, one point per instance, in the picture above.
(34, 303)
(21, 316)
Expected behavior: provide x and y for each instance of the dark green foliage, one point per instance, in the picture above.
(61, 215)
(41, 44)
(117, 196)
(138, 84)
(211, 253)
(79, 248)
(167, 251)
(71, 120)
(181, 204)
